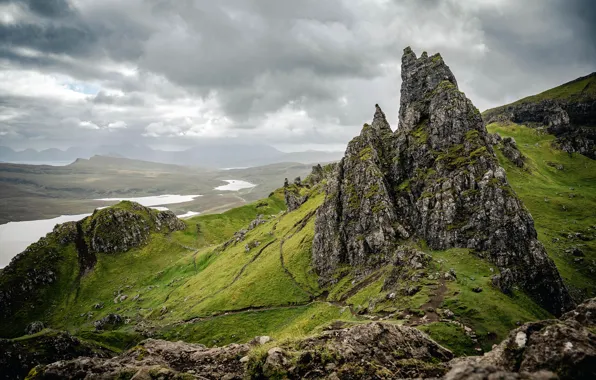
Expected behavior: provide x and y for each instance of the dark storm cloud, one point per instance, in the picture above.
(48, 39)
(50, 8)
(303, 72)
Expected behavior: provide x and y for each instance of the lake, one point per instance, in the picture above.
(235, 185)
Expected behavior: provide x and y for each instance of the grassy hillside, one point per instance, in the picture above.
(201, 285)
(559, 189)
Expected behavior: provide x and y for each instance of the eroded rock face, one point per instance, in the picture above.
(570, 119)
(435, 178)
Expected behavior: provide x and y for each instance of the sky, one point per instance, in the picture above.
(293, 74)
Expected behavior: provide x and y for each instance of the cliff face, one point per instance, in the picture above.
(435, 179)
(567, 111)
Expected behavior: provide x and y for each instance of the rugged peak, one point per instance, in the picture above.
(420, 78)
(408, 57)
(380, 123)
(435, 179)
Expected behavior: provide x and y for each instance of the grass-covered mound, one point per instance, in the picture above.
(51, 271)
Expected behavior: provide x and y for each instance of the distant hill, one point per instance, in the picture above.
(567, 111)
(212, 154)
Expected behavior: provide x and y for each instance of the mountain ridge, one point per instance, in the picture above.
(567, 111)
(212, 155)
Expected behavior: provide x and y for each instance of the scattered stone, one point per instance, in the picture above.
(108, 322)
(448, 313)
(260, 340)
(477, 289)
(34, 327)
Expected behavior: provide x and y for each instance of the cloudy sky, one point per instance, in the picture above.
(295, 74)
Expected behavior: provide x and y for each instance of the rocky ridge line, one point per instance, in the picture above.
(437, 179)
(570, 120)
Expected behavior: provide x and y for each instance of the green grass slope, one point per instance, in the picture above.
(559, 189)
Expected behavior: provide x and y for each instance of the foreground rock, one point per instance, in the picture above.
(551, 349)
(375, 350)
(566, 347)
(435, 178)
(18, 356)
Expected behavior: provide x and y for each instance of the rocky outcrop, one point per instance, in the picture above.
(19, 356)
(375, 350)
(570, 117)
(566, 347)
(154, 359)
(297, 193)
(435, 178)
(128, 225)
(511, 152)
(34, 327)
(293, 194)
(582, 140)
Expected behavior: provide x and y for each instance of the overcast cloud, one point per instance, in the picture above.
(295, 74)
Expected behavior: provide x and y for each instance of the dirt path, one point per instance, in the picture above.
(361, 285)
(436, 300)
(240, 311)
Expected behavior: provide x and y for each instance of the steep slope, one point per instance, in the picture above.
(560, 191)
(567, 111)
(437, 180)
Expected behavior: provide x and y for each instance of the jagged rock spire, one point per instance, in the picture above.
(437, 179)
(420, 77)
